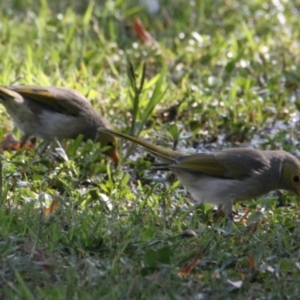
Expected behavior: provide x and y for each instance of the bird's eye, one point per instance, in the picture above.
(110, 144)
(296, 178)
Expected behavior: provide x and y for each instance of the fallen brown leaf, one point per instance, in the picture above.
(188, 233)
(53, 207)
(11, 143)
(251, 261)
(141, 32)
(189, 267)
(39, 257)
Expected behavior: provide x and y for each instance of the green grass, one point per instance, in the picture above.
(223, 74)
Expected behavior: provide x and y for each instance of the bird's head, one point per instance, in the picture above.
(110, 144)
(290, 174)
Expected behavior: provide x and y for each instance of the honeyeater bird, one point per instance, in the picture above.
(225, 177)
(53, 113)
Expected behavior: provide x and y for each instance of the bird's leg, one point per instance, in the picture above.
(230, 225)
(44, 147)
(226, 210)
(220, 211)
(47, 143)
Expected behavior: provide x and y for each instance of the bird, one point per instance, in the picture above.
(55, 113)
(228, 176)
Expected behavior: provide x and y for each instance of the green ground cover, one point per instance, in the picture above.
(220, 74)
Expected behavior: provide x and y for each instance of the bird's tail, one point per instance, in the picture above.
(166, 155)
(160, 167)
(7, 94)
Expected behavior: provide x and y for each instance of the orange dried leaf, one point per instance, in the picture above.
(189, 267)
(28, 145)
(187, 234)
(141, 32)
(53, 207)
(251, 261)
(11, 143)
(191, 276)
(39, 257)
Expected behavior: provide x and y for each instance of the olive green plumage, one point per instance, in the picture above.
(225, 177)
(55, 113)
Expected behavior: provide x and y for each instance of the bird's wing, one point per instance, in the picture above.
(63, 100)
(237, 163)
(7, 94)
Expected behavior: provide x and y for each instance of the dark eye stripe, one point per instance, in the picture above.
(296, 178)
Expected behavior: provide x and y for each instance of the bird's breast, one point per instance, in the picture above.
(218, 191)
(62, 126)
